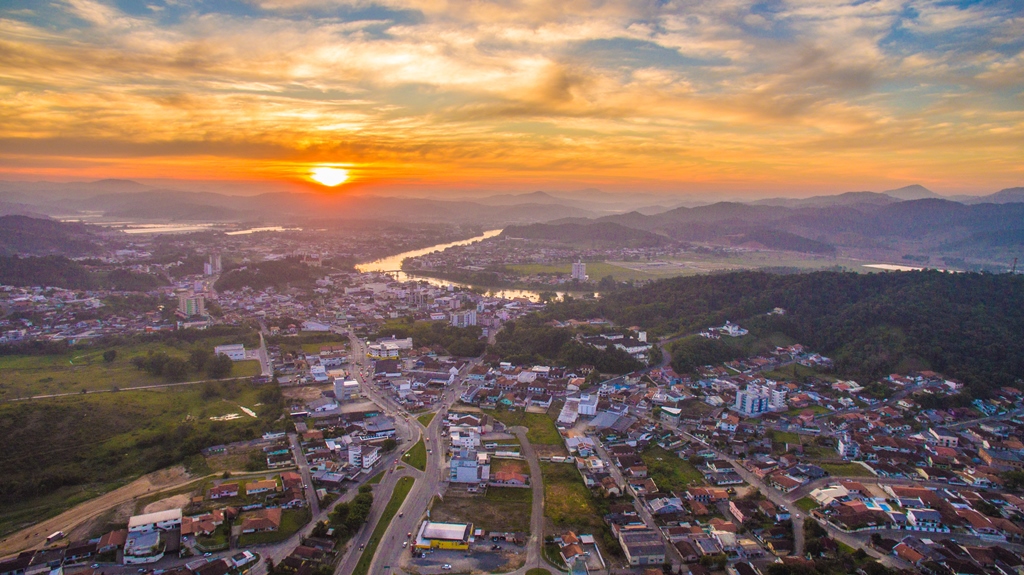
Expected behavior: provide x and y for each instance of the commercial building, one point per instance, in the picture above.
(346, 390)
(579, 271)
(469, 466)
(161, 520)
(444, 535)
(234, 351)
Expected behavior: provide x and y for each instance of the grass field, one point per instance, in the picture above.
(846, 469)
(426, 418)
(567, 501)
(596, 271)
(315, 347)
(541, 429)
(376, 479)
(807, 504)
(670, 472)
(538, 571)
(500, 509)
(416, 456)
(59, 452)
(26, 376)
(291, 521)
(817, 409)
(402, 489)
(786, 437)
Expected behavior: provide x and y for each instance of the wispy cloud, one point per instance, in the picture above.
(795, 94)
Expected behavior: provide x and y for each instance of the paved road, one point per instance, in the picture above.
(307, 479)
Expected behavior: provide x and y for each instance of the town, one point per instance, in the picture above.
(410, 439)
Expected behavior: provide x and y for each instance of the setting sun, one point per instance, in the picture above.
(330, 176)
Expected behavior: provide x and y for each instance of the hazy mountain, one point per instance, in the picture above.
(592, 233)
(845, 199)
(21, 235)
(914, 192)
(1009, 195)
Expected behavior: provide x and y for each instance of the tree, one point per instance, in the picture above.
(198, 357)
(175, 369)
(389, 444)
(220, 367)
(110, 355)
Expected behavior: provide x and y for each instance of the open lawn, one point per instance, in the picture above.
(567, 501)
(817, 409)
(806, 504)
(315, 347)
(376, 479)
(402, 489)
(538, 571)
(541, 429)
(416, 456)
(426, 418)
(846, 469)
(32, 375)
(500, 509)
(83, 445)
(291, 521)
(670, 472)
(596, 271)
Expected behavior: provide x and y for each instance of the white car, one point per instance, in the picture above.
(446, 566)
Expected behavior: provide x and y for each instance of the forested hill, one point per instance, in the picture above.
(967, 326)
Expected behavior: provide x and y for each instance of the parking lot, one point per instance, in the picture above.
(480, 558)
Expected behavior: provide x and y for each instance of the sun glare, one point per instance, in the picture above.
(330, 176)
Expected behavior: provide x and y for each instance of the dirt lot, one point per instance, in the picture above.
(173, 502)
(79, 521)
(510, 465)
(305, 393)
(501, 509)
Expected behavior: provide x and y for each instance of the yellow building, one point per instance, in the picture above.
(444, 535)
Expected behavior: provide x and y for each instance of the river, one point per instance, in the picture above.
(392, 265)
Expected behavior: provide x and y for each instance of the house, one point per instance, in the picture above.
(261, 486)
(925, 520)
(510, 479)
(224, 490)
(642, 546)
(262, 520)
(665, 505)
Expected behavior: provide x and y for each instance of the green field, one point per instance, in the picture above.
(596, 271)
(807, 504)
(541, 429)
(570, 505)
(376, 479)
(31, 375)
(538, 571)
(670, 472)
(426, 418)
(817, 409)
(402, 489)
(291, 521)
(315, 347)
(60, 452)
(416, 456)
(846, 469)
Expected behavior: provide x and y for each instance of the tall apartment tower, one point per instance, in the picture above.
(190, 305)
(579, 271)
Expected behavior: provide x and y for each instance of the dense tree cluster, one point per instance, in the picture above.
(265, 274)
(964, 325)
(59, 271)
(177, 369)
(348, 516)
(458, 341)
(529, 340)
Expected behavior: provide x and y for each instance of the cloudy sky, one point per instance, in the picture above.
(780, 97)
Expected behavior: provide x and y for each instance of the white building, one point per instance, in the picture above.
(847, 448)
(754, 400)
(346, 390)
(579, 271)
(363, 456)
(234, 351)
(465, 439)
(468, 466)
(161, 520)
(464, 318)
(588, 404)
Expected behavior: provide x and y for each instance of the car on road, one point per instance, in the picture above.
(405, 544)
(409, 534)
(446, 567)
(401, 514)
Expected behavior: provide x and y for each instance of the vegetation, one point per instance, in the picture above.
(963, 325)
(38, 236)
(416, 456)
(402, 489)
(540, 429)
(806, 504)
(266, 274)
(846, 469)
(426, 418)
(459, 341)
(348, 516)
(570, 505)
(59, 271)
(92, 442)
(538, 571)
(529, 341)
(587, 234)
(669, 472)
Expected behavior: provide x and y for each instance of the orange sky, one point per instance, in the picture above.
(416, 96)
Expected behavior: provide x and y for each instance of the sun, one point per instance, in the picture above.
(330, 177)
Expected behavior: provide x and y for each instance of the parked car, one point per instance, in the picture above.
(446, 567)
